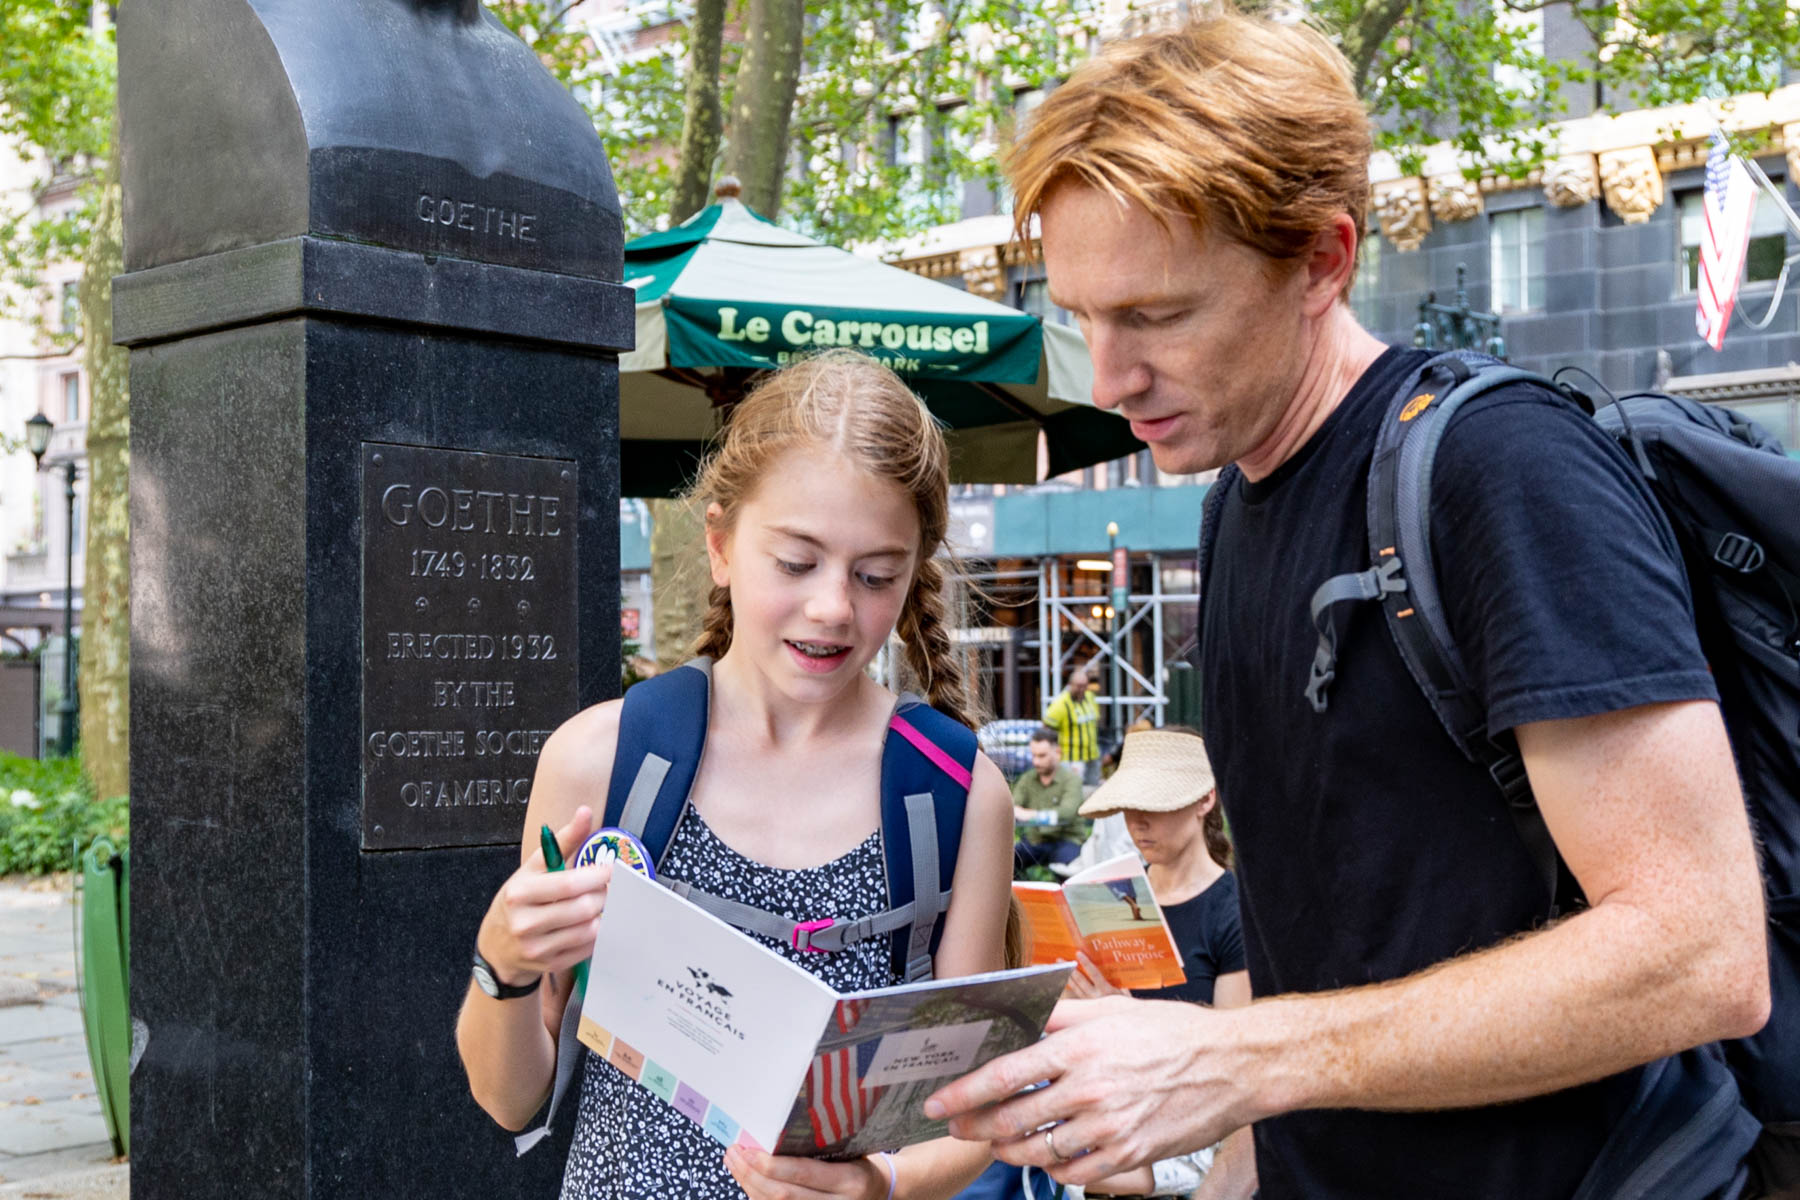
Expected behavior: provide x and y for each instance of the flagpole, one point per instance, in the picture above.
(1762, 180)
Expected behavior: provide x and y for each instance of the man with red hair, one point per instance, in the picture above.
(1421, 1026)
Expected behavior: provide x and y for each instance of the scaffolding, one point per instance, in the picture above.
(1144, 695)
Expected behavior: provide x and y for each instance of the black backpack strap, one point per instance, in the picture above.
(927, 766)
(1403, 579)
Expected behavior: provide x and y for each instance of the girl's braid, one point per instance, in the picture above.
(926, 633)
(715, 626)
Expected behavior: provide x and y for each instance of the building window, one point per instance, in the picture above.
(70, 315)
(1516, 249)
(1526, 31)
(906, 141)
(1768, 239)
(71, 386)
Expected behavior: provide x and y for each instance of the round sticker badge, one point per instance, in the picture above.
(615, 845)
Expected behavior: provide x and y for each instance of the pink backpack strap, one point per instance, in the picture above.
(931, 750)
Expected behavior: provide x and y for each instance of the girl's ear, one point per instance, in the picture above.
(1209, 802)
(716, 539)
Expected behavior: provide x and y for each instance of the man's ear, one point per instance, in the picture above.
(717, 537)
(1330, 264)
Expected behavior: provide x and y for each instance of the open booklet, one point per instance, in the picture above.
(754, 1049)
(1108, 913)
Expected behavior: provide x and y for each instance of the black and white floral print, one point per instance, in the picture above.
(630, 1144)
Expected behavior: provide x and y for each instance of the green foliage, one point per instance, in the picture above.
(46, 806)
(58, 81)
(1469, 74)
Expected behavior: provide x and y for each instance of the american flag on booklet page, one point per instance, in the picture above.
(840, 1104)
(1728, 203)
(849, 1012)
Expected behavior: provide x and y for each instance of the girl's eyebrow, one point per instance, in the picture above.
(809, 539)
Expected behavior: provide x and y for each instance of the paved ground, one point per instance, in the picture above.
(53, 1142)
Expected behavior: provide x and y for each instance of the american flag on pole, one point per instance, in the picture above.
(1728, 204)
(840, 1104)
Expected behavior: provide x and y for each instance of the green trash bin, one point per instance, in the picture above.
(103, 959)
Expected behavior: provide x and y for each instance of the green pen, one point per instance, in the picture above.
(553, 861)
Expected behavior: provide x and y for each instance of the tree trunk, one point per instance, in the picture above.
(701, 116)
(106, 585)
(679, 584)
(763, 100)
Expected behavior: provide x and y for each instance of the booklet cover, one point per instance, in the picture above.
(1108, 913)
(752, 1048)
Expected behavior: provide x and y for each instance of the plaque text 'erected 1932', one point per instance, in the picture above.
(468, 602)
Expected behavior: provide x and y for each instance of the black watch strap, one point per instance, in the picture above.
(488, 980)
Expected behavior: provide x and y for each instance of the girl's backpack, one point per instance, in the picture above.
(927, 765)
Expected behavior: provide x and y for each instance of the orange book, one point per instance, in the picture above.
(1108, 913)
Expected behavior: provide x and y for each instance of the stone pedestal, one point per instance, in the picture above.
(372, 261)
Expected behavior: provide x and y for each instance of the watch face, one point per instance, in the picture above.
(484, 979)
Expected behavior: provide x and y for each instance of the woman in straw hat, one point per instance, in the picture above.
(1164, 789)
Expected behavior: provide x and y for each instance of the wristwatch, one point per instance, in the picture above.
(488, 980)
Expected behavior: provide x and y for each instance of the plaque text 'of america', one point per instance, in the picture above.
(468, 639)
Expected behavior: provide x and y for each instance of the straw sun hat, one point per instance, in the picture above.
(1160, 770)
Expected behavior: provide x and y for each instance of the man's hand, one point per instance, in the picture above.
(1130, 1081)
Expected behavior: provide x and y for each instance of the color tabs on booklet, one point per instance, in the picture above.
(626, 1057)
(594, 1036)
(660, 1080)
(722, 1128)
(615, 845)
(690, 1104)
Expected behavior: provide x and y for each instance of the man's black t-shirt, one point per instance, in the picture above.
(1368, 847)
(1210, 938)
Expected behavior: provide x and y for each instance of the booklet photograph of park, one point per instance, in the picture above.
(1108, 913)
(754, 1049)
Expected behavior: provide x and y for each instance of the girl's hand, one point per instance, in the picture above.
(1087, 983)
(765, 1176)
(544, 921)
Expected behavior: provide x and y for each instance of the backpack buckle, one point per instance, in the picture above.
(1739, 553)
(801, 938)
(1508, 773)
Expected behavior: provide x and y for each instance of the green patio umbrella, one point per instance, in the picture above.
(728, 294)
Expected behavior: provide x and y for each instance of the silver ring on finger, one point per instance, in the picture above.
(1050, 1145)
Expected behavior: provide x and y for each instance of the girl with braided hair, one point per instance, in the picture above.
(826, 502)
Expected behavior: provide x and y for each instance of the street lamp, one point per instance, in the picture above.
(37, 437)
(1121, 589)
(1457, 326)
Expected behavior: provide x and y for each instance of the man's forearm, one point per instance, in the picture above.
(1594, 995)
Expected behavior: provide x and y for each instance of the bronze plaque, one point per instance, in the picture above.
(468, 604)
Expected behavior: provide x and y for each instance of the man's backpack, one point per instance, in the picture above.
(1732, 496)
(927, 765)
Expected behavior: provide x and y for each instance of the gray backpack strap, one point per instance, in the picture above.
(928, 902)
(640, 800)
(825, 934)
(568, 1057)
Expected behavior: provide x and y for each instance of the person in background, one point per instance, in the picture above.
(1164, 789)
(1048, 788)
(1075, 715)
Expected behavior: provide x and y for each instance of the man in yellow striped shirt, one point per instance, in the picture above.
(1075, 716)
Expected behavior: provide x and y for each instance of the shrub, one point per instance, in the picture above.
(45, 807)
